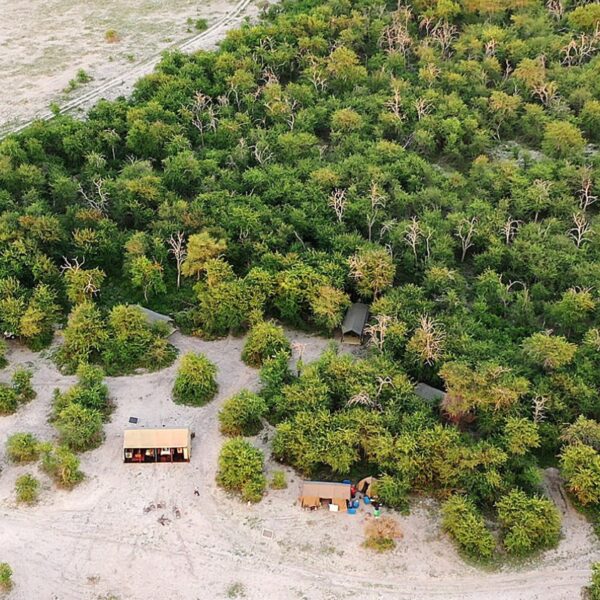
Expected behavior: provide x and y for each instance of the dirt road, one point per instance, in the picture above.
(140, 532)
(35, 73)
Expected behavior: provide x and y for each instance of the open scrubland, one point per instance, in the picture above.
(105, 538)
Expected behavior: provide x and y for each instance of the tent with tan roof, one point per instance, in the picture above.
(157, 445)
(316, 493)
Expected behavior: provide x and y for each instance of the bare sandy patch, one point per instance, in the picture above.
(139, 531)
(44, 43)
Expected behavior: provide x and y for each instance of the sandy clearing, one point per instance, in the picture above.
(104, 537)
(44, 43)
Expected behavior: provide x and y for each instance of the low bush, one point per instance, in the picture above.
(278, 480)
(80, 428)
(392, 491)
(381, 534)
(529, 523)
(111, 36)
(242, 414)
(22, 448)
(62, 465)
(264, 341)
(27, 489)
(241, 469)
(461, 519)
(6, 582)
(19, 392)
(201, 24)
(195, 383)
(593, 589)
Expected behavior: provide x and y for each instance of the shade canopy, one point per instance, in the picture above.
(156, 438)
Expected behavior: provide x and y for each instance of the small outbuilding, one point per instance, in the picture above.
(354, 323)
(315, 494)
(366, 486)
(157, 445)
(430, 394)
(154, 317)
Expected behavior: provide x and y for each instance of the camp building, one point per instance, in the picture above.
(153, 317)
(315, 494)
(157, 445)
(354, 323)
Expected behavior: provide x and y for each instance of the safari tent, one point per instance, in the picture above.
(354, 323)
(315, 494)
(154, 317)
(365, 486)
(157, 445)
(430, 394)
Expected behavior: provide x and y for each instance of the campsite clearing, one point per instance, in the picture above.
(139, 531)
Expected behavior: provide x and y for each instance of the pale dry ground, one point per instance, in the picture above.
(43, 43)
(104, 537)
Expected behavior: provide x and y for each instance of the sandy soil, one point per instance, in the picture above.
(104, 538)
(43, 43)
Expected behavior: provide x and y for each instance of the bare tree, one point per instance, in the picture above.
(580, 230)
(378, 330)
(89, 287)
(337, 201)
(510, 228)
(377, 202)
(395, 37)
(539, 408)
(177, 248)
(98, 198)
(465, 233)
(262, 152)
(423, 107)
(428, 340)
(556, 9)
(394, 104)
(586, 198)
(412, 235)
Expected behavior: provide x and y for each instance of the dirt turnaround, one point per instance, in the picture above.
(134, 532)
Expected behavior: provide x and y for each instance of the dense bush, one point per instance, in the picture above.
(195, 383)
(580, 466)
(594, 587)
(278, 480)
(241, 469)
(462, 520)
(392, 492)
(241, 414)
(265, 340)
(22, 448)
(6, 582)
(528, 523)
(27, 489)
(19, 392)
(62, 465)
(80, 428)
(121, 343)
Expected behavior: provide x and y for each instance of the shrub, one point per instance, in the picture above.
(392, 491)
(201, 24)
(381, 534)
(80, 428)
(461, 519)
(580, 466)
(279, 481)
(22, 448)
(111, 36)
(594, 587)
(195, 383)
(8, 400)
(242, 414)
(264, 341)
(89, 392)
(62, 465)
(5, 577)
(241, 469)
(21, 383)
(529, 523)
(27, 489)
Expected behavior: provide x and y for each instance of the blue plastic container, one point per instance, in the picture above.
(351, 511)
(347, 481)
(367, 500)
(355, 504)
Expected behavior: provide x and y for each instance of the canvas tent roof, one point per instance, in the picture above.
(156, 438)
(429, 393)
(154, 317)
(325, 489)
(356, 319)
